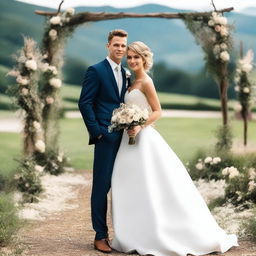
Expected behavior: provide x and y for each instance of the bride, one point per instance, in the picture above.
(155, 205)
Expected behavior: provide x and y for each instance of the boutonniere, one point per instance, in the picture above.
(127, 75)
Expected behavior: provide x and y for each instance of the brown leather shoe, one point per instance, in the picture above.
(102, 245)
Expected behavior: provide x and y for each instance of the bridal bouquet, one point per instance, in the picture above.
(127, 116)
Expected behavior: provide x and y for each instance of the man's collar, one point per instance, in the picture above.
(112, 63)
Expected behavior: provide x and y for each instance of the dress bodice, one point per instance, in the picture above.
(137, 97)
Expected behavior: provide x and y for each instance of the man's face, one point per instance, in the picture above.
(117, 48)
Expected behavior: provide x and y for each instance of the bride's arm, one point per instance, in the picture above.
(149, 90)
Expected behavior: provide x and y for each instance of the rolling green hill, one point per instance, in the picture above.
(169, 39)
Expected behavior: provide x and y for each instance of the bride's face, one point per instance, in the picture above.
(135, 61)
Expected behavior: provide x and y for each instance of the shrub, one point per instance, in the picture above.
(9, 222)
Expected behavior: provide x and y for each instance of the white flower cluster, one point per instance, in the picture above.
(49, 68)
(252, 177)
(128, 115)
(59, 20)
(231, 172)
(207, 161)
(244, 65)
(219, 24)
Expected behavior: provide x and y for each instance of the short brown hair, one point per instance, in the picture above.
(117, 32)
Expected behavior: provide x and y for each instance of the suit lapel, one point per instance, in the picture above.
(124, 84)
(112, 77)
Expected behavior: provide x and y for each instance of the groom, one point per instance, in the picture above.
(103, 90)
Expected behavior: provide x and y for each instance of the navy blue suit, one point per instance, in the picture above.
(99, 97)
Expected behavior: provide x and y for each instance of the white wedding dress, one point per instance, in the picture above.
(155, 205)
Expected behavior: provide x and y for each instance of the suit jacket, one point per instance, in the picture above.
(99, 97)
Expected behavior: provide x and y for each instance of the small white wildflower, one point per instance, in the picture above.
(233, 172)
(223, 31)
(225, 171)
(53, 69)
(237, 88)
(246, 67)
(252, 174)
(223, 46)
(251, 186)
(45, 67)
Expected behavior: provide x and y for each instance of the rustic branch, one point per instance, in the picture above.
(60, 6)
(94, 16)
(214, 6)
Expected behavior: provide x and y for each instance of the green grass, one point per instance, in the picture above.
(184, 135)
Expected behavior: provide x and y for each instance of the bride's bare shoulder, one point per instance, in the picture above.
(147, 83)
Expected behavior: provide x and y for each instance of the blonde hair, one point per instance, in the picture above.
(144, 51)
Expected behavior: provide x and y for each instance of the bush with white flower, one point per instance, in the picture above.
(27, 180)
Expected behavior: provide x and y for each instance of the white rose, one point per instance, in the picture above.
(208, 159)
(53, 34)
(122, 121)
(113, 118)
(40, 146)
(238, 107)
(222, 20)
(252, 173)
(31, 64)
(224, 56)
(22, 80)
(225, 171)
(199, 166)
(24, 91)
(223, 31)
(252, 186)
(216, 49)
(223, 46)
(246, 67)
(136, 117)
(39, 168)
(36, 125)
(246, 90)
(233, 172)
(216, 160)
(70, 11)
(55, 20)
(214, 14)
(211, 23)
(55, 82)
(49, 100)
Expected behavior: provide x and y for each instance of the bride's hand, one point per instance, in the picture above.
(134, 130)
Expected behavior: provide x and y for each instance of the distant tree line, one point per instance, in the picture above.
(166, 79)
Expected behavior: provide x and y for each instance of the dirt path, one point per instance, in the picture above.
(69, 233)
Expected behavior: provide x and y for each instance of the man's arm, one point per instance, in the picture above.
(89, 92)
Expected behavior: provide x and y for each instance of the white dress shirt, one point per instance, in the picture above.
(117, 73)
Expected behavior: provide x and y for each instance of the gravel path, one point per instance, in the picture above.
(69, 232)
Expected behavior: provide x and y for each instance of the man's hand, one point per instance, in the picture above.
(134, 130)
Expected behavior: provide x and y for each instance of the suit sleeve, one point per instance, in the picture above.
(88, 95)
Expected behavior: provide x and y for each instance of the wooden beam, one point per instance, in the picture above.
(98, 16)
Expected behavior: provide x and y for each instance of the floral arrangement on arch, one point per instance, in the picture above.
(243, 85)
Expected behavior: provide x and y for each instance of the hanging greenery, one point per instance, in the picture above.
(57, 31)
(244, 88)
(212, 33)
